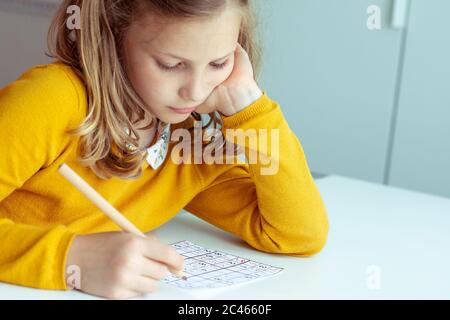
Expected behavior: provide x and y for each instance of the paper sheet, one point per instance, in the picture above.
(206, 268)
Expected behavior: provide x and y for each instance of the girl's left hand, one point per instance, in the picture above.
(237, 92)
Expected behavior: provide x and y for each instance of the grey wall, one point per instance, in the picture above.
(23, 32)
(335, 80)
(421, 148)
(369, 104)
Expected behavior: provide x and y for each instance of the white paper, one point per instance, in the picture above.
(207, 269)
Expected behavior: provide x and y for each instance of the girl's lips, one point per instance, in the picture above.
(182, 110)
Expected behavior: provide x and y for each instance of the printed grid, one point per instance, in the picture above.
(206, 268)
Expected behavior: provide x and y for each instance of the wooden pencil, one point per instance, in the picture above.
(105, 206)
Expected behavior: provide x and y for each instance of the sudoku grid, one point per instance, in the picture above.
(207, 268)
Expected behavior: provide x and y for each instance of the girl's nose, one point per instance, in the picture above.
(194, 90)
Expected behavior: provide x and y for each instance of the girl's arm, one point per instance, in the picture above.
(35, 110)
(274, 206)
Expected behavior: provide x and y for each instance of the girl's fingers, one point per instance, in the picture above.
(152, 269)
(163, 253)
(210, 104)
(144, 284)
(226, 104)
(219, 99)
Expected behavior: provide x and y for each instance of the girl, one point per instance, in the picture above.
(131, 74)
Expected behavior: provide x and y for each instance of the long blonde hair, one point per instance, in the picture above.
(94, 53)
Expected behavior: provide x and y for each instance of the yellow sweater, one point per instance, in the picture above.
(41, 212)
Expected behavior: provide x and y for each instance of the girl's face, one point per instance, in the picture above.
(179, 63)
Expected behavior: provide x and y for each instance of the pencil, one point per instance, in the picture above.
(105, 206)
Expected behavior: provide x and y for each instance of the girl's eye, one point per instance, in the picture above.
(167, 68)
(221, 65)
(176, 67)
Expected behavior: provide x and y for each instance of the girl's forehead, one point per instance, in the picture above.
(223, 23)
(186, 38)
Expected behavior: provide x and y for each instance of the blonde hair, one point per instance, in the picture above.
(112, 101)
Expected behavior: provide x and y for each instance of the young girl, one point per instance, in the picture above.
(132, 73)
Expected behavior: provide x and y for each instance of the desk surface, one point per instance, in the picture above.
(384, 243)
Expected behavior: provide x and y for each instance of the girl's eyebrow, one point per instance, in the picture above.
(181, 58)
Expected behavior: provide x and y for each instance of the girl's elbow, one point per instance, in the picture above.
(301, 245)
(313, 243)
(317, 245)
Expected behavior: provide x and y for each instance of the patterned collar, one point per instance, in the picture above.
(156, 153)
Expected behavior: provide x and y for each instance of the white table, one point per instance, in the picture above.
(384, 243)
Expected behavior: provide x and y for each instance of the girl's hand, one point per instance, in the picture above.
(237, 92)
(120, 265)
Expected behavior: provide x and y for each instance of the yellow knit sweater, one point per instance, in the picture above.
(41, 212)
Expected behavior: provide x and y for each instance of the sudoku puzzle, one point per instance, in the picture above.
(207, 268)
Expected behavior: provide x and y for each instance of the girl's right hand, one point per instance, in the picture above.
(121, 265)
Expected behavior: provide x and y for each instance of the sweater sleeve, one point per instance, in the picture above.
(273, 203)
(35, 111)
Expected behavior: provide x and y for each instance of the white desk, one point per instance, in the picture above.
(405, 235)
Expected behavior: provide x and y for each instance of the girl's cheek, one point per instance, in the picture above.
(224, 77)
(229, 70)
(161, 86)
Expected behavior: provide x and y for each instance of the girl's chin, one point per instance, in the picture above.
(174, 118)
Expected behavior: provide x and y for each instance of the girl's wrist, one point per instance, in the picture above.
(73, 258)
